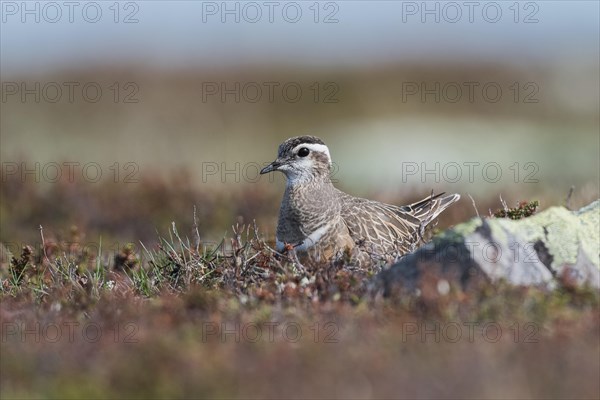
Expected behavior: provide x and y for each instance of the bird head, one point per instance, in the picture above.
(301, 159)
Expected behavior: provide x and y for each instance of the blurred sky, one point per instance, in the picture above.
(191, 33)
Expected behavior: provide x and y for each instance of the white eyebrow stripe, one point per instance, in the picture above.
(321, 148)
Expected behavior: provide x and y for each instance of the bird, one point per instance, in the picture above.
(321, 222)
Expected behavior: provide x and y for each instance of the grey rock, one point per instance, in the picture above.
(541, 250)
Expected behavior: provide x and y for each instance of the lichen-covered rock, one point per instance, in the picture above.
(554, 245)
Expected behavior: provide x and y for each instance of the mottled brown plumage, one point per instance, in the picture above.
(322, 221)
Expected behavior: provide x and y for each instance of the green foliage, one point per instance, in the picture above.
(523, 210)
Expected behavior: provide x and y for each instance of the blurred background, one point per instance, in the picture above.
(119, 117)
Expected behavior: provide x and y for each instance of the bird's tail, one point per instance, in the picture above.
(430, 207)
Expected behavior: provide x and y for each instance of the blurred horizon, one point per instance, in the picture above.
(410, 97)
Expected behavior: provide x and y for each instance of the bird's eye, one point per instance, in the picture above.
(303, 152)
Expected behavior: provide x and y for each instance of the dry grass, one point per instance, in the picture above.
(185, 319)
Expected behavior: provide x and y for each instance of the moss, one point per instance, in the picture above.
(462, 230)
(563, 233)
(589, 221)
(523, 210)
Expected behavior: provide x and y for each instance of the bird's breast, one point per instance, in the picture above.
(307, 214)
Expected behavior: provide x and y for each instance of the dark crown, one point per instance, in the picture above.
(289, 144)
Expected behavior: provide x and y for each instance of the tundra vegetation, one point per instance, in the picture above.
(165, 283)
(182, 317)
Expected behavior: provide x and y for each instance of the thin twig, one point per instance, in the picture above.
(44, 249)
(474, 206)
(504, 205)
(295, 259)
(196, 232)
(568, 200)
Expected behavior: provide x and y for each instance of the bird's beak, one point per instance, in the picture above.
(271, 167)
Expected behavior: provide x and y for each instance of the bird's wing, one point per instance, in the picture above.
(378, 223)
(388, 225)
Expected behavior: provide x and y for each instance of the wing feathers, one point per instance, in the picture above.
(389, 226)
